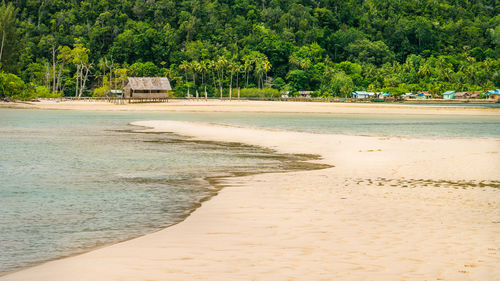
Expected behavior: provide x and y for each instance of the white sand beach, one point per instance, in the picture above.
(259, 106)
(389, 209)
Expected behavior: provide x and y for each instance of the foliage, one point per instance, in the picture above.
(327, 46)
(260, 93)
(101, 91)
(11, 85)
(9, 41)
(338, 83)
(43, 92)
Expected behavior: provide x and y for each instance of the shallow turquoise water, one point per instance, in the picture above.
(75, 180)
(452, 126)
(71, 181)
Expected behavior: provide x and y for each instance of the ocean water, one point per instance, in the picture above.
(391, 125)
(74, 180)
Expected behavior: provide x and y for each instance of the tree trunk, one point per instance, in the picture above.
(47, 76)
(231, 86)
(213, 77)
(58, 84)
(1, 47)
(247, 73)
(221, 92)
(84, 79)
(111, 77)
(77, 81)
(238, 93)
(206, 93)
(53, 69)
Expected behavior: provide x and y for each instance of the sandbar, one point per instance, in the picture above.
(388, 209)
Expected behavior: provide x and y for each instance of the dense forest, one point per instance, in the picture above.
(332, 47)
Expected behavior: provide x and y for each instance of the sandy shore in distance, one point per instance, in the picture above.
(390, 209)
(259, 106)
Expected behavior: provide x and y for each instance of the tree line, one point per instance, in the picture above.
(331, 47)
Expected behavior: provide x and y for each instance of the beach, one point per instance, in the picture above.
(389, 208)
(201, 105)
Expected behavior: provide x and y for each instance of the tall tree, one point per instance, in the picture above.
(9, 42)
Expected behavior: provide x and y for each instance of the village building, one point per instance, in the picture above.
(493, 94)
(424, 95)
(147, 87)
(115, 93)
(409, 96)
(463, 95)
(449, 95)
(383, 95)
(305, 94)
(362, 95)
(476, 94)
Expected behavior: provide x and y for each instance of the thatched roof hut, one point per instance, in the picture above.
(147, 87)
(305, 94)
(463, 95)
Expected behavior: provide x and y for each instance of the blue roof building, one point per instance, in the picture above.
(493, 94)
(362, 94)
(449, 95)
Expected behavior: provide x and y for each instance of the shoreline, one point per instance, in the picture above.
(260, 107)
(225, 222)
(215, 181)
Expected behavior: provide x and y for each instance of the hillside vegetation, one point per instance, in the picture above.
(79, 48)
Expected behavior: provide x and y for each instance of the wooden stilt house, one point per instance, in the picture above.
(147, 87)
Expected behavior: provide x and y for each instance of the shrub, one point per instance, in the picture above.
(259, 93)
(11, 85)
(43, 92)
(101, 91)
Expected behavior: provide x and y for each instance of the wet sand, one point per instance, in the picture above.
(388, 209)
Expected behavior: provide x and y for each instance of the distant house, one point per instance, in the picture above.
(305, 94)
(147, 87)
(449, 95)
(409, 96)
(475, 94)
(116, 93)
(424, 95)
(463, 95)
(493, 94)
(383, 95)
(362, 94)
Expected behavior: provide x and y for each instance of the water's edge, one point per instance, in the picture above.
(289, 163)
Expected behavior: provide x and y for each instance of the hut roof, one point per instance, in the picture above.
(363, 93)
(149, 83)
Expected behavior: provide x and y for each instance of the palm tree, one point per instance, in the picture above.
(234, 67)
(211, 65)
(424, 70)
(185, 66)
(204, 65)
(247, 65)
(221, 67)
(262, 66)
(195, 68)
(267, 66)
